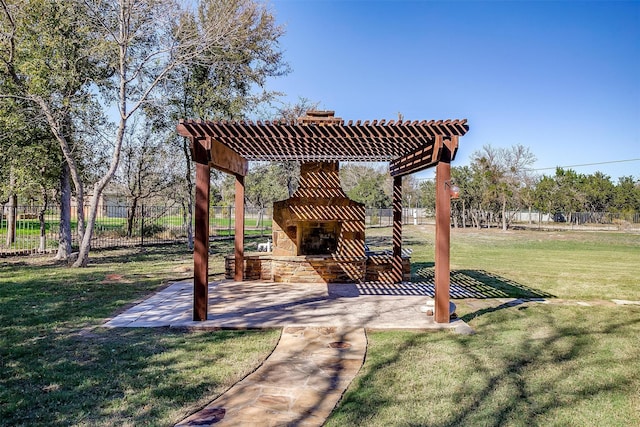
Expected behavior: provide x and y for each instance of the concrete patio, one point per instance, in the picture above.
(259, 304)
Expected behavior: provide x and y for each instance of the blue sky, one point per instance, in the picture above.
(562, 78)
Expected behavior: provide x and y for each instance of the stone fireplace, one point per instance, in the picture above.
(318, 237)
(318, 233)
(319, 219)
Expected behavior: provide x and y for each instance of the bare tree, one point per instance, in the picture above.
(149, 39)
(222, 83)
(502, 172)
(146, 169)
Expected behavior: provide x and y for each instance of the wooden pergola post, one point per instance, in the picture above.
(443, 236)
(239, 230)
(397, 230)
(201, 235)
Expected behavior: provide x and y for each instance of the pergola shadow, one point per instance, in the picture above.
(475, 284)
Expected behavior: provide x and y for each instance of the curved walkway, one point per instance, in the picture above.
(299, 384)
(321, 349)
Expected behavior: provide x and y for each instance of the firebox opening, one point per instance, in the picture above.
(318, 238)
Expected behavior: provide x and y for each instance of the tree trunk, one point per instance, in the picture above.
(131, 216)
(62, 138)
(12, 217)
(98, 188)
(260, 217)
(504, 214)
(464, 215)
(12, 213)
(41, 219)
(64, 242)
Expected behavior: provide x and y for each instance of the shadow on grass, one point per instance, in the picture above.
(104, 377)
(542, 367)
(476, 283)
(58, 368)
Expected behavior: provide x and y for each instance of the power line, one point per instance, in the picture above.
(562, 167)
(586, 164)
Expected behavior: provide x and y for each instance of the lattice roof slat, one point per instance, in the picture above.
(327, 139)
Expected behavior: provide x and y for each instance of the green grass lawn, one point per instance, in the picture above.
(58, 367)
(532, 364)
(565, 264)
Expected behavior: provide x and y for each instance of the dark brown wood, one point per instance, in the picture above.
(443, 236)
(417, 160)
(368, 141)
(239, 229)
(201, 244)
(397, 230)
(226, 160)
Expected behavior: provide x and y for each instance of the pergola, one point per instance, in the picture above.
(408, 146)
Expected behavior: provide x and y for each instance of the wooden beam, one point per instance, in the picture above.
(443, 237)
(239, 230)
(200, 150)
(417, 160)
(201, 243)
(225, 159)
(396, 271)
(452, 144)
(424, 157)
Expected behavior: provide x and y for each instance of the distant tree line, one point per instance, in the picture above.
(497, 183)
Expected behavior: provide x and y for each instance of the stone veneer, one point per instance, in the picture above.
(317, 269)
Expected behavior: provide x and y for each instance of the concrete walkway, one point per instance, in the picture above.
(321, 349)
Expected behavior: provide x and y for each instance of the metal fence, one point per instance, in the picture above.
(117, 226)
(152, 225)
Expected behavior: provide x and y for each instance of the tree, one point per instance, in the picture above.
(366, 185)
(221, 84)
(627, 195)
(148, 41)
(427, 195)
(568, 192)
(502, 172)
(146, 169)
(545, 196)
(48, 57)
(264, 186)
(598, 192)
(470, 196)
